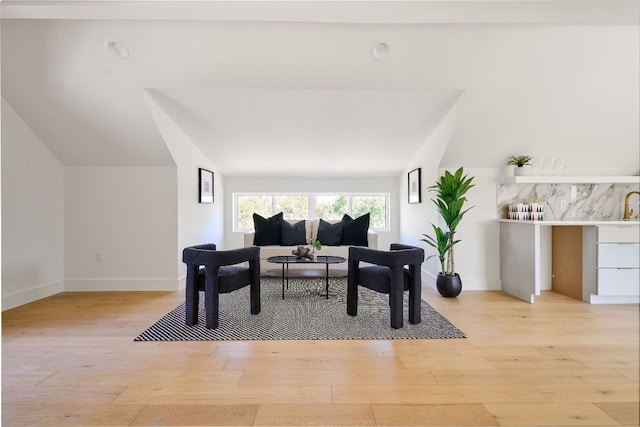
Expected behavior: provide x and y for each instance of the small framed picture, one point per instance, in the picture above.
(205, 186)
(415, 189)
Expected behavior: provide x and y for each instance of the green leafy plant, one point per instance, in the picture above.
(441, 242)
(519, 161)
(450, 198)
(315, 244)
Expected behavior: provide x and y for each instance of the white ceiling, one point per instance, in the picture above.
(291, 88)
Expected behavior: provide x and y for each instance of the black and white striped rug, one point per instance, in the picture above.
(304, 314)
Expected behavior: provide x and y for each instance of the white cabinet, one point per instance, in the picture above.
(618, 264)
(623, 282)
(610, 259)
(618, 255)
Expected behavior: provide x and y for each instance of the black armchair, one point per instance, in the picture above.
(216, 272)
(388, 275)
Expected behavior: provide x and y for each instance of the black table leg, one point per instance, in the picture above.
(327, 279)
(282, 280)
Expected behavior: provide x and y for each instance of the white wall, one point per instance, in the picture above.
(478, 254)
(98, 228)
(32, 215)
(416, 218)
(319, 185)
(120, 228)
(196, 222)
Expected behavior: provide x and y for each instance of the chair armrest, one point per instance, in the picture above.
(208, 255)
(236, 256)
(198, 254)
(400, 246)
(407, 256)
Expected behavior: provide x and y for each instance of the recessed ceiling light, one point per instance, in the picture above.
(380, 51)
(117, 48)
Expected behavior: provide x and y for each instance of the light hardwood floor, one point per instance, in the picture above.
(70, 360)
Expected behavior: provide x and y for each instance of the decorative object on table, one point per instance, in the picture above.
(302, 316)
(301, 252)
(450, 198)
(315, 245)
(205, 186)
(528, 212)
(520, 162)
(414, 186)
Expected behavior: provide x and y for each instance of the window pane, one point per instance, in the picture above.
(374, 205)
(331, 207)
(293, 207)
(247, 205)
(296, 207)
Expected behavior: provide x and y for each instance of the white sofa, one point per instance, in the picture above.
(311, 228)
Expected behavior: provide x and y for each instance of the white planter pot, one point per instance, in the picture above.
(522, 171)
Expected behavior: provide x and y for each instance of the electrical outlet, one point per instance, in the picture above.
(98, 256)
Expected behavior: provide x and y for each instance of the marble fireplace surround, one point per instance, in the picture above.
(571, 201)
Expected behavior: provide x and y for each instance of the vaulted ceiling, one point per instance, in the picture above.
(305, 88)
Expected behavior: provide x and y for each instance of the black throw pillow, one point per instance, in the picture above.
(330, 234)
(268, 230)
(293, 234)
(354, 231)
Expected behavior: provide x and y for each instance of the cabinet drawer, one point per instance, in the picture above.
(626, 255)
(618, 233)
(613, 281)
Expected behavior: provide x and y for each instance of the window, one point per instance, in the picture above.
(375, 205)
(310, 206)
(293, 206)
(331, 207)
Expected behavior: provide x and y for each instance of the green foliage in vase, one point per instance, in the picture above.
(441, 242)
(519, 161)
(450, 198)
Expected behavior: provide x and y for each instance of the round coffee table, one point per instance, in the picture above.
(285, 260)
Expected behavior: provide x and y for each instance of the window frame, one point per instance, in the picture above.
(311, 197)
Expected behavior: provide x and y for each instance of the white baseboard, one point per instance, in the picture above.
(105, 285)
(614, 299)
(481, 284)
(32, 294)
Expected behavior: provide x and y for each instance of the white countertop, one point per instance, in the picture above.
(538, 179)
(573, 222)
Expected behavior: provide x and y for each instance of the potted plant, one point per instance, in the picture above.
(519, 162)
(450, 198)
(315, 244)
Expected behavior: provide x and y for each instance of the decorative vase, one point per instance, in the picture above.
(522, 171)
(449, 286)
